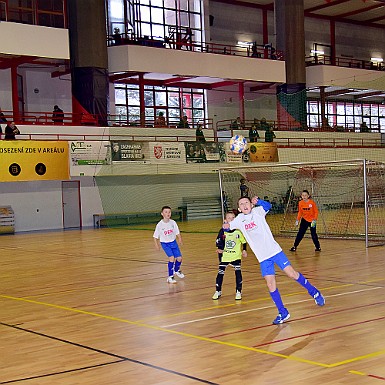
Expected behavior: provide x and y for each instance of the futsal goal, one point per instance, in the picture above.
(350, 196)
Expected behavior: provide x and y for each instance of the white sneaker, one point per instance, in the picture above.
(171, 280)
(179, 274)
(217, 294)
(238, 295)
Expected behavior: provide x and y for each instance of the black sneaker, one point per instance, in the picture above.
(318, 249)
(294, 248)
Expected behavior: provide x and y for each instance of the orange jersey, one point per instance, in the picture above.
(307, 210)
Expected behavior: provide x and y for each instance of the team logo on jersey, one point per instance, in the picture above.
(250, 226)
(158, 152)
(230, 244)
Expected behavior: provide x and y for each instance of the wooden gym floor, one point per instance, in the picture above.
(93, 307)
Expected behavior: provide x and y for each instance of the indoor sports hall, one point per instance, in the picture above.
(111, 110)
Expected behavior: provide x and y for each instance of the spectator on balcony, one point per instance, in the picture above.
(237, 124)
(253, 132)
(269, 135)
(57, 115)
(183, 122)
(11, 131)
(200, 136)
(364, 127)
(2, 120)
(160, 121)
(117, 36)
(264, 124)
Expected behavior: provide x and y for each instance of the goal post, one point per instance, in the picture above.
(350, 195)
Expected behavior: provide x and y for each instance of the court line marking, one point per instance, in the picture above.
(251, 301)
(323, 314)
(120, 359)
(153, 327)
(265, 307)
(206, 339)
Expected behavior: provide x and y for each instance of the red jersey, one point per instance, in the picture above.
(307, 210)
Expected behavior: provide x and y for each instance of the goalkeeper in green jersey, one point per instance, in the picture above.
(231, 247)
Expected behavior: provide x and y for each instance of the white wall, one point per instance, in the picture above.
(5, 90)
(51, 91)
(34, 40)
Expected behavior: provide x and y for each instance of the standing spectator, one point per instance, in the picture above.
(183, 122)
(200, 136)
(253, 132)
(237, 124)
(57, 115)
(269, 135)
(364, 127)
(264, 124)
(117, 36)
(243, 188)
(308, 214)
(2, 120)
(11, 131)
(160, 120)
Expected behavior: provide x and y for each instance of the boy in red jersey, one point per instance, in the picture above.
(308, 214)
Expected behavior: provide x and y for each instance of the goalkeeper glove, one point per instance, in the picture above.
(313, 223)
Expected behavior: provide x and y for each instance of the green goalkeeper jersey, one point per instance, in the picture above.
(234, 241)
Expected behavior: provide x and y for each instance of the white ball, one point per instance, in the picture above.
(238, 144)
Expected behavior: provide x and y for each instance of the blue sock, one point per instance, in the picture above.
(307, 285)
(276, 297)
(177, 265)
(170, 269)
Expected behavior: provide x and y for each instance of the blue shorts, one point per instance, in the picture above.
(267, 266)
(171, 249)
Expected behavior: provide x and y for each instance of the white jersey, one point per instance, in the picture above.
(166, 231)
(257, 233)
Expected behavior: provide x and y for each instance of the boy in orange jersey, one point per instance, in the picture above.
(308, 214)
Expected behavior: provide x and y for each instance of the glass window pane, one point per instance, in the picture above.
(160, 98)
(133, 97)
(170, 17)
(145, 14)
(157, 31)
(148, 98)
(145, 29)
(133, 113)
(116, 10)
(198, 101)
(120, 96)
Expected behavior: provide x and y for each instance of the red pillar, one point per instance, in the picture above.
(333, 42)
(241, 91)
(15, 94)
(142, 108)
(265, 33)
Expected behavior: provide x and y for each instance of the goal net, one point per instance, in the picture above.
(350, 196)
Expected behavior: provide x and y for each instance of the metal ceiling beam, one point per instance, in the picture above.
(358, 11)
(338, 92)
(261, 87)
(369, 94)
(375, 19)
(175, 80)
(326, 5)
(117, 77)
(16, 61)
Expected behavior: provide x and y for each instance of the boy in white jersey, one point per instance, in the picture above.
(252, 222)
(231, 247)
(167, 232)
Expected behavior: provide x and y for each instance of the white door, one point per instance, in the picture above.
(72, 217)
